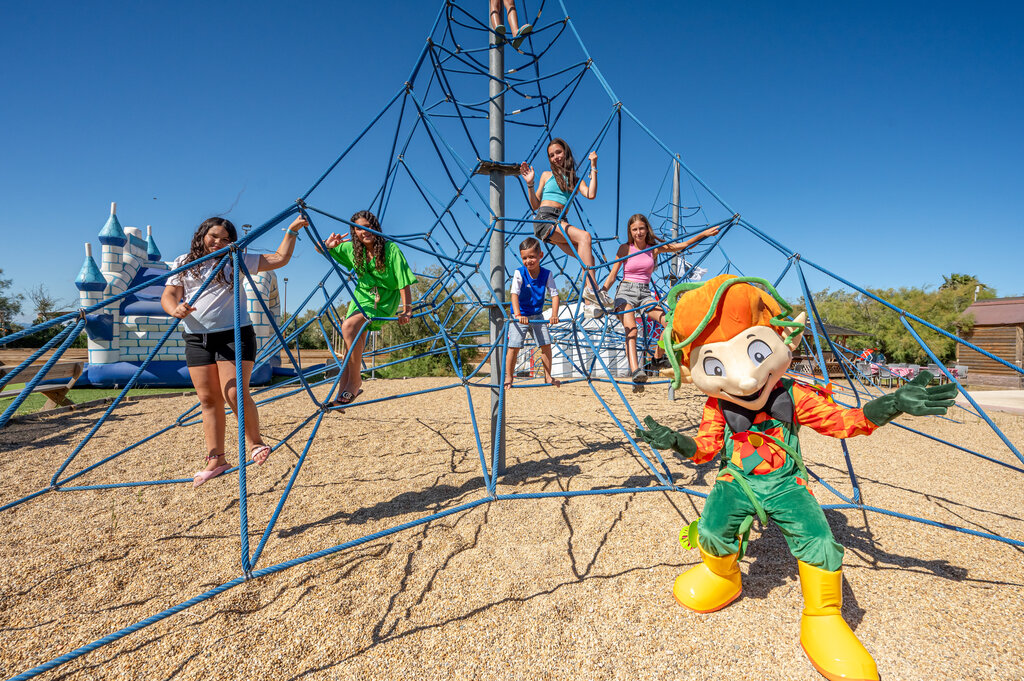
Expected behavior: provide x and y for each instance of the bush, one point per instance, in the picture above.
(452, 313)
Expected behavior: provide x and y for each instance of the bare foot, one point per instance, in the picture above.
(508, 383)
(555, 382)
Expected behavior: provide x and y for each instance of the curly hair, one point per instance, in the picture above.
(565, 174)
(198, 248)
(650, 239)
(359, 250)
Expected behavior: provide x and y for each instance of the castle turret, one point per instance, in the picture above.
(91, 286)
(152, 252)
(112, 234)
(89, 278)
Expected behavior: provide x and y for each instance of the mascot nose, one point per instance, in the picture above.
(747, 383)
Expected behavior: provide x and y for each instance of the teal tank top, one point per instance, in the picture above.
(552, 192)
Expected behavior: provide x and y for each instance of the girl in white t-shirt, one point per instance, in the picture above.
(209, 335)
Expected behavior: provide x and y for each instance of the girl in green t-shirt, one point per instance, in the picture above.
(384, 279)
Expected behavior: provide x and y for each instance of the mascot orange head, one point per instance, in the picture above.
(731, 340)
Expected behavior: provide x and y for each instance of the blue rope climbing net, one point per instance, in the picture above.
(432, 128)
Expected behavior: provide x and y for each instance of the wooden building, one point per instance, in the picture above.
(998, 329)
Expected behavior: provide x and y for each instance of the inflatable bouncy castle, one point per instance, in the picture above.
(123, 334)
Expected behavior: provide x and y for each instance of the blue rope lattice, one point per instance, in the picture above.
(438, 114)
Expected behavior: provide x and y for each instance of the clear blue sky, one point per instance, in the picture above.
(881, 140)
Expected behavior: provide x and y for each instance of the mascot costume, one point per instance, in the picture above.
(732, 341)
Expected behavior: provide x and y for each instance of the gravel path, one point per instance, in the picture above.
(549, 588)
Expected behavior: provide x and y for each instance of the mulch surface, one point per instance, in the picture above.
(546, 588)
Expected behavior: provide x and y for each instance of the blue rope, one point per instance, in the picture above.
(461, 261)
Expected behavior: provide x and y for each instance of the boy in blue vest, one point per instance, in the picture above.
(530, 284)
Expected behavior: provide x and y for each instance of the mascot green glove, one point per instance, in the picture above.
(732, 341)
(914, 398)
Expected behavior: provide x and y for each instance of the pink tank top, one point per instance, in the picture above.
(638, 268)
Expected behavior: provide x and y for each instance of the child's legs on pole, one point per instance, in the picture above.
(510, 365)
(578, 243)
(513, 17)
(211, 403)
(545, 359)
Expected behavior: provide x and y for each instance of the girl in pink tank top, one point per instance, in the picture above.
(634, 293)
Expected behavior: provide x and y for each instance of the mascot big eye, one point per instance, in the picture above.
(732, 341)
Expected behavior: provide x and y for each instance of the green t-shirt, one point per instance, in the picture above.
(377, 293)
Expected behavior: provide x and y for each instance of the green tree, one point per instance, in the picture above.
(460, 319)
(311, 337)
(956, 280)
(10, 306)
(944, 308)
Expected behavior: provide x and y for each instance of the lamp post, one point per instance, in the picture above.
(284, 300)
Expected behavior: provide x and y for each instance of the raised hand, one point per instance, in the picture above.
(526, 171)
(593, 159)
(663, 437)
(333, 240)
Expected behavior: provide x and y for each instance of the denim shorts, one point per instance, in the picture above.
(633, 294)
(517, 332)
(544, 230)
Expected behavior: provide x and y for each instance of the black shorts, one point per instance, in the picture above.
(203, 349)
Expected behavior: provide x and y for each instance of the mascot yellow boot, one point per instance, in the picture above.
(734, 341)
(827, 639)
(710, 586)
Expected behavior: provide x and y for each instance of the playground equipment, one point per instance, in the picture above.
(432, 158)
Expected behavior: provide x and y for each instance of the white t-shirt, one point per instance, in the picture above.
(215, 308)
(517, 283)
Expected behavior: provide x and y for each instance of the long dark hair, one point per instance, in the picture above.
(359, 250)
(565, 175)
(650, 240)
(198, 248)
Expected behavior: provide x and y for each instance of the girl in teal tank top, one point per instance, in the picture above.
(551, 225)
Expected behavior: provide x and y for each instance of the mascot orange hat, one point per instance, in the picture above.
(740, 307)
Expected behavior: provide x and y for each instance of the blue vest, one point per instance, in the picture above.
(532, 292)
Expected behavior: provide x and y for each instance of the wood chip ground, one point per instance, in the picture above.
(548, 588)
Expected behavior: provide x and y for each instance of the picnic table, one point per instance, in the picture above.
(66, 373)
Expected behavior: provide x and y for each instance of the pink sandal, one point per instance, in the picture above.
(260, 454)
(203, 476)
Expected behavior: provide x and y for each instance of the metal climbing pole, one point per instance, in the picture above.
(496, 115)
(676, 257)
